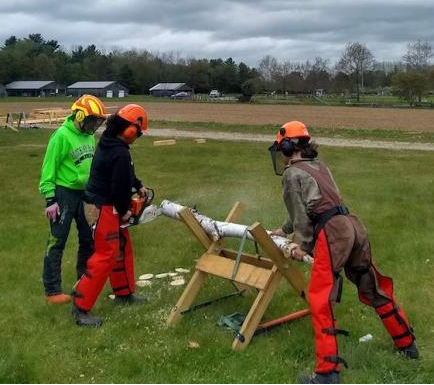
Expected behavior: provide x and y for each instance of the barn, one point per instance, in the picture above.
(107, 89)
(169, 89)
(34, 88)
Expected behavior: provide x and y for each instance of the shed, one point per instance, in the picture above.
(34, 88)
(107, 89)
(169, 89)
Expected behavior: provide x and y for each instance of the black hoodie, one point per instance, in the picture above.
(112, 177)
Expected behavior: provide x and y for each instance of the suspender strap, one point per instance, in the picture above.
(325, 216)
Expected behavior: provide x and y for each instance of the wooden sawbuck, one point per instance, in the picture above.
(244, 270)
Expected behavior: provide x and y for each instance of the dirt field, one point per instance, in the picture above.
(317, 116)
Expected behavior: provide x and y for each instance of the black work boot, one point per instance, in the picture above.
(84, 318)
(411, 351)
(318, 378)
(129, 299)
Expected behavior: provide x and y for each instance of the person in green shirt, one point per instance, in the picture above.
(64, 176)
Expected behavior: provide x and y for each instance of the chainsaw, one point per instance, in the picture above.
(142, 209)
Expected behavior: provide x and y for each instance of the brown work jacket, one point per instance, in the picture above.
(304, 199)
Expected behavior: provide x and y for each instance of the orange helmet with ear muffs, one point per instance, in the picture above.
(88, 105)
(293, 129)
(136, 115)
(291, 134)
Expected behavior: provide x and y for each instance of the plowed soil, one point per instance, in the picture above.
(316, 116)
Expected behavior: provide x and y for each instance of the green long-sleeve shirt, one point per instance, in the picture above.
(67, 160)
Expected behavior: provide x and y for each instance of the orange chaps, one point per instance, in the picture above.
(324, 291)
(113, 258)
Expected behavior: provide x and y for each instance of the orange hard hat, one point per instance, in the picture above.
(136, 115)
(88, 105)
(293, 129)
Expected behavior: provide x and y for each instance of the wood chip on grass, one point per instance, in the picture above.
(162, 275)
(143, 283)
(145, 277)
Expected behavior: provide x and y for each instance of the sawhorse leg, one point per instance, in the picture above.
(256, 312)
(187, 297)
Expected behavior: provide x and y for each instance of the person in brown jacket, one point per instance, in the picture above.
(323, 226)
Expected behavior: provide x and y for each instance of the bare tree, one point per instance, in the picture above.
(317, 74)
(355, 60)
(267, 68)
(418, 55)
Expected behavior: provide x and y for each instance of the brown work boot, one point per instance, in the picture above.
(58, 299)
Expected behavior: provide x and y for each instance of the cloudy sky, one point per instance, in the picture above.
(244, 30)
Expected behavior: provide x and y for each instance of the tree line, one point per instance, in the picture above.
(355, 73)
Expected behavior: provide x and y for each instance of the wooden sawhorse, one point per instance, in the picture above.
(244, 270)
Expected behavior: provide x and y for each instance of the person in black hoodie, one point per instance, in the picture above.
(108, 196)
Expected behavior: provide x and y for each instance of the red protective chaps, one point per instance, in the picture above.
(351, 251)
(113, 258)
(393, 317)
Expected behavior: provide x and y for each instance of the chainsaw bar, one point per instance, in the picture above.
(148, 214)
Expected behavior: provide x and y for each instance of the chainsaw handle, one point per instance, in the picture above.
(149, 195)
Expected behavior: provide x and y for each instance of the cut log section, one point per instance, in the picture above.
(167, 142)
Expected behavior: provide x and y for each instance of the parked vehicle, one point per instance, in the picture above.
(180, 95)
(214, 94)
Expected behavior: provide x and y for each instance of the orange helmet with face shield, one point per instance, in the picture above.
(291, 130)
(290, 137)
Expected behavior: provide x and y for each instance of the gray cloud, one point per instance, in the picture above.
(294, 30)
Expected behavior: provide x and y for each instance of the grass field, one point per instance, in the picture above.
(323, 132)
(390, 191)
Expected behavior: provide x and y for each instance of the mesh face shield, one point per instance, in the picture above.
(277, 159)
(91, 124)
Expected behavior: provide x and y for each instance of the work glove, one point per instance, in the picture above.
(52, 210)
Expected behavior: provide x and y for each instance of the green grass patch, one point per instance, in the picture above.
(271, 129)
(390, 191)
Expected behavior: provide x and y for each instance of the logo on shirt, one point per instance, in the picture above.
(82, 153)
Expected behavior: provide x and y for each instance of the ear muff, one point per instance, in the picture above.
(287, 146)
(131, 132)
(79, 116)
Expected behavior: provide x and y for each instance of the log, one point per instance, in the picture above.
(217, 230)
